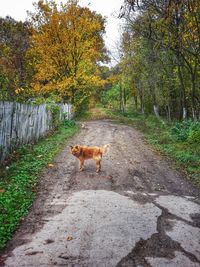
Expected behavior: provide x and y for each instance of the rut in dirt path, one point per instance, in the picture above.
(137, 211)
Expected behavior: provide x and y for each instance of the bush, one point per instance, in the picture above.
(194, 136)
(186, 131)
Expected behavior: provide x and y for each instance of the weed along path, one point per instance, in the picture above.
(136, 212)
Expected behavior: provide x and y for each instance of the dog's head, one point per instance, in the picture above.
(75, 150)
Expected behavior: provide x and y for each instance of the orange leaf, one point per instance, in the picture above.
(69, 238)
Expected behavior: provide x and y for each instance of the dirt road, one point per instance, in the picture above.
(136, 212)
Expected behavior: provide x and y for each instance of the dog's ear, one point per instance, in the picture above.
(71, 147)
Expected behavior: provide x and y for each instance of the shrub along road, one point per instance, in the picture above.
(137, 211)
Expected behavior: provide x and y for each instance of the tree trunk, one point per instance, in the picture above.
(168, 111)
(136, 102)
(124, 95)
(73, 96)
(142, 108)
(184, 113)
(182, 90)
(141, 104)
(194, 113)
(120, 95)
(156, 111)
(155, 106)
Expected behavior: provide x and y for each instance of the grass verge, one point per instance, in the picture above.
(18, 181)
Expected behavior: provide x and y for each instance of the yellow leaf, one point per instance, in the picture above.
(50, 165)
(69, 238)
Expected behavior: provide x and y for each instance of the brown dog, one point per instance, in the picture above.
(85, 152)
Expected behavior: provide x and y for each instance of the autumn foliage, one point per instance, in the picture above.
(14, 39)
(65, 50)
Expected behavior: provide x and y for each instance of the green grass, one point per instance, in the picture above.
(18, 182)
(179, 141)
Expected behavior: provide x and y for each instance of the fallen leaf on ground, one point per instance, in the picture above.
(2, 190)
(69, 238)
(50, 165)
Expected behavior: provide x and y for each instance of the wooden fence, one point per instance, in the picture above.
(23, 123)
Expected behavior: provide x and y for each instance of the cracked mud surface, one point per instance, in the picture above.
(137, 212)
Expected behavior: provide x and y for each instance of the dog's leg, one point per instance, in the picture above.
(98, 165)
(81, 164)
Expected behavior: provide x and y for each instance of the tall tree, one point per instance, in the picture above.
(14, 41)
(66, 49)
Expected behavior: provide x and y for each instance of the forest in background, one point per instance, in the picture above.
(159, 58)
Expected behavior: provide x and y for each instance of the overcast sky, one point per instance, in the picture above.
(109, 8)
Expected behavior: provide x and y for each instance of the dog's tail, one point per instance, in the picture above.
(105, 148)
